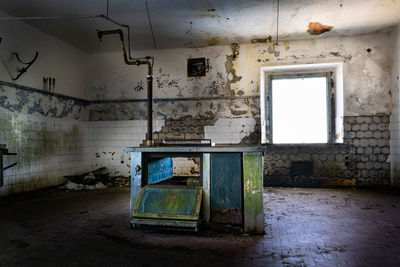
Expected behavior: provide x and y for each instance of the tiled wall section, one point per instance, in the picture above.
(47, 148)
(53, 139)
(108, 138)
(230, 131)
(361, 161)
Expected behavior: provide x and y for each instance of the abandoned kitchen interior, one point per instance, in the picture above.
(209, 133)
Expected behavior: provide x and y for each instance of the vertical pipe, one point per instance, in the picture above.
(149, 139)
(139, 61)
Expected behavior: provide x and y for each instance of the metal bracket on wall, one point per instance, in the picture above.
(20, 70)
(24, 69)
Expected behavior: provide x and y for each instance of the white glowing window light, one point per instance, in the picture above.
(299, 110)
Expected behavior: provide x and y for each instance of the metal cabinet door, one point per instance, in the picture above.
(226, 188)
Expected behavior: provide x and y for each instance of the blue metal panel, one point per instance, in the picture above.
(160, 169)
(226, 188)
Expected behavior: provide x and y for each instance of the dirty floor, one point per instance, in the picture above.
(304, 227)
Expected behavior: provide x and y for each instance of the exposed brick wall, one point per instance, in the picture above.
(360, 161)
(183, 128)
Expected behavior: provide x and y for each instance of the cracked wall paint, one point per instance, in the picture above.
(232, 78)
(218, 108)
(34, 103)
(366, 77)
(366, 85)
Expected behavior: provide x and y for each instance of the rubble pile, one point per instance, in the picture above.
(98, 179)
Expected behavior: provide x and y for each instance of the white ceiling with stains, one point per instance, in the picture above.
(197, 23)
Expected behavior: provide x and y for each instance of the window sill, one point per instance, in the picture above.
(307, 145)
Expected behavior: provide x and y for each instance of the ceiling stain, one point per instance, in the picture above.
(205, 15)
(248, 19)
(262, 40)
(212, 41)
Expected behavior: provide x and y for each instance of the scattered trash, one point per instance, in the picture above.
(90, 179)
(98, 179)
(71, 186)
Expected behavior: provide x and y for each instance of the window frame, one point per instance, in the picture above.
(337, 105)
(330, 103)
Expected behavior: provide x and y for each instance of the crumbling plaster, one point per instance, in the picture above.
(234, 72)
(29, 101)
(230, 89)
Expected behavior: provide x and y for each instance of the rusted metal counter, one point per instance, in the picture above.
(231, 182)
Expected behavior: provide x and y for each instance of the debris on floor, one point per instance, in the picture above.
(316, 227)
(71, 186)
(97, 179)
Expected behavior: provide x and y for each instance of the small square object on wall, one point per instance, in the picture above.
(196, 67)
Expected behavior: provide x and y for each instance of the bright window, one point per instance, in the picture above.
(300, 110)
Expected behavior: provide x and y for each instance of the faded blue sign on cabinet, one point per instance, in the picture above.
(160, 169)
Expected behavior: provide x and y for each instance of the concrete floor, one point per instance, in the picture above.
(324, 227)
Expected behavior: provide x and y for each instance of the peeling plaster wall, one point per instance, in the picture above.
(395, 116)
(53, 138)
(26, 100)
(213, 106)
(56, 59)
(175, 109)
(234, 72)
(55, 135)
(49, 133)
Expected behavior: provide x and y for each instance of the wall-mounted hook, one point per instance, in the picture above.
(24, 69)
